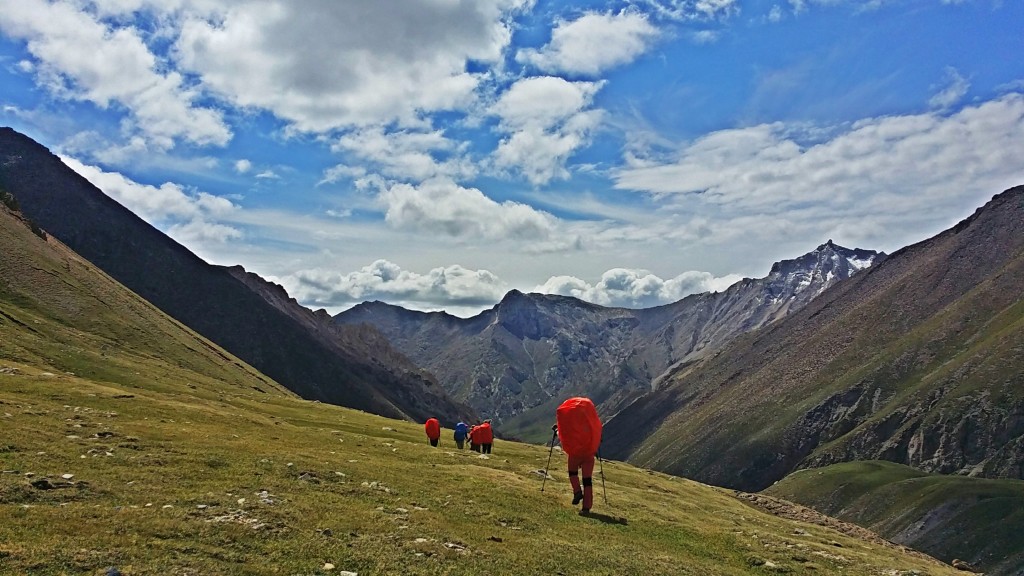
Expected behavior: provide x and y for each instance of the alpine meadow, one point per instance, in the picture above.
(134, 445)
(512, 287)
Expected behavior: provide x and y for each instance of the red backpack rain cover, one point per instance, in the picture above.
(433, 428)
(579, 428)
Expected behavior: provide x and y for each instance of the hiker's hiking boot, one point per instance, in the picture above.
(576, 498)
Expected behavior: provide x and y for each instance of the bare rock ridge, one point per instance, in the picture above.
(208, 299)
(516, 361)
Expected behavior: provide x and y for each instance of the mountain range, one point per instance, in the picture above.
(835, 360)
(919, 360)
(180, 458)
(515, 362)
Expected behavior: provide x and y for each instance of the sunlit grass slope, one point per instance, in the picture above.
(128, 442)
(973, 519)
(168, 483)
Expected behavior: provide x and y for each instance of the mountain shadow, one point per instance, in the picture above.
(209, 299)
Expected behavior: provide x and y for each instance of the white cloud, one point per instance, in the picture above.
(440, 206)
(705, 36)
(548, 120)
(340, 172)
(81, 58)
(956, 88)
(449, 287)
(405, 154)
(682, 10)
(188, 215)
(919, 167)
(775, 14)
(593, 43)
(628, 288)
(323, 64)
(268, 175)
(242, 166)
(202, 232)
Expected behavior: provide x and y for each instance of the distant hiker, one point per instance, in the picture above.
(433, 428)
(461, 431)
(484, 437)
(579, 431)
(473, 444)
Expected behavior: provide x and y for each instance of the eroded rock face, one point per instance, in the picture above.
(969, 435)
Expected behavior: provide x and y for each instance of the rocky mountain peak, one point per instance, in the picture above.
(818, 269)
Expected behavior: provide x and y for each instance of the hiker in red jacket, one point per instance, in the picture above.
(472, 439)
(433, 428)
(579, 431)
(485, 437)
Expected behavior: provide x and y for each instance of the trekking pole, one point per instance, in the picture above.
(550, 452)
(604, 492)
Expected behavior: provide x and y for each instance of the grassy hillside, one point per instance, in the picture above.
(127, 441)
(917, 360)
(973, 519)
(63, 315)
(262, 484)
(210, 299)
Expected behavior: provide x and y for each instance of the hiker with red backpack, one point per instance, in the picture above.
(482, 437)
(472, 439)
(579, 431)
(433, 428)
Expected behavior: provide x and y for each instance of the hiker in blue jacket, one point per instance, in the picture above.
(461, 431)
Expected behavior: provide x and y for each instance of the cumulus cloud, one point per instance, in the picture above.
(188, 217)
(324, 64)
(548, 119)
(79, 57)
(592, 43)
(441, 206)
(242, 166)
(628, 288)
(956, 88)
(867, 169)
(405, 154)
(445, 287)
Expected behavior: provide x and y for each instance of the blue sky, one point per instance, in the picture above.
(438, 153)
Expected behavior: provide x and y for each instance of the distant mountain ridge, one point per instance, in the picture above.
(209, 299)
(516, 361)
(919, 360)
(362, 344)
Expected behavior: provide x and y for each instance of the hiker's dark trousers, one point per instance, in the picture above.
(586, 464)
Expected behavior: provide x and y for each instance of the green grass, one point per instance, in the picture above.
(946, 516)
(160, 478)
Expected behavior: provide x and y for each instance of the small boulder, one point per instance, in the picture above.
(964, 566)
